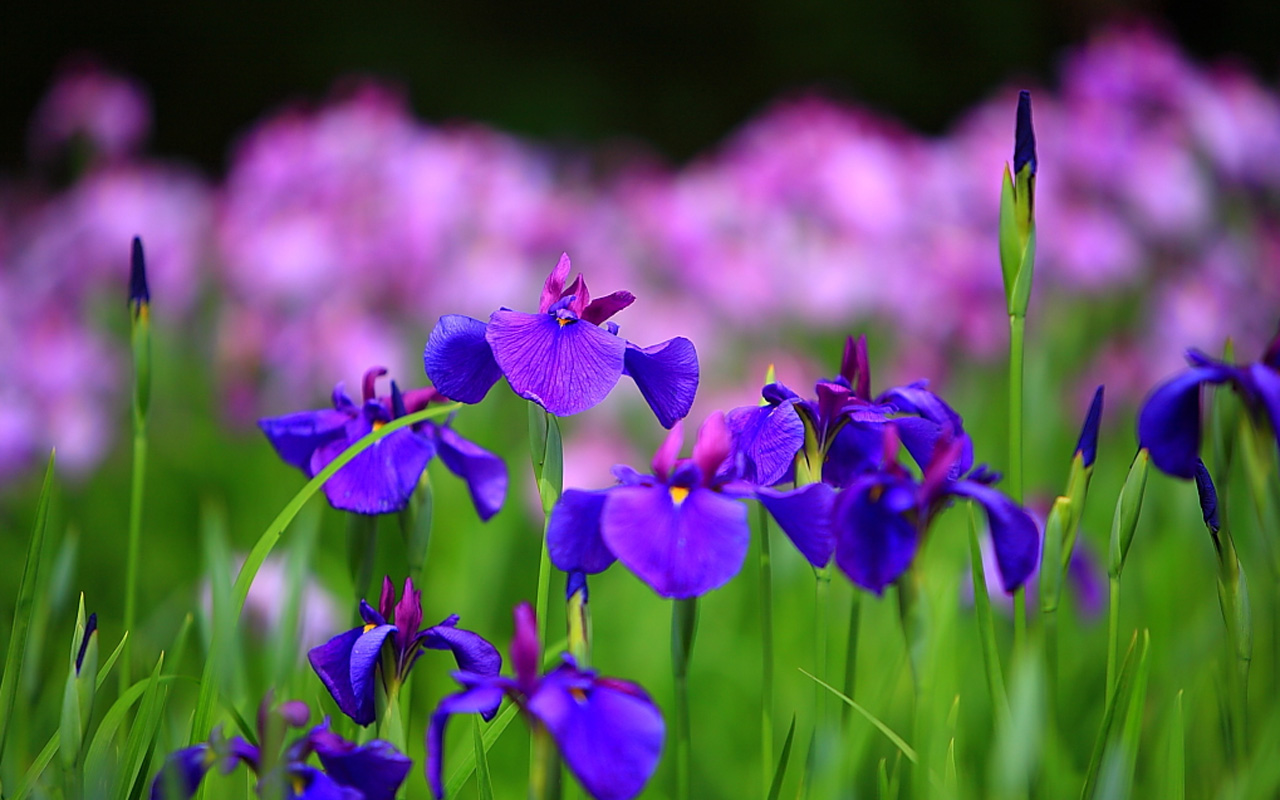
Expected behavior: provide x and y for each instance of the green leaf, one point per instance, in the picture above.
(1124, 682)
(23, 608)
(897, 740)
(483, 779)
(780, 771)
(1175, 787)
(143, 731)
(1128, 508)
(466, 763)
(986, 625)
(1010, 240)
(96, 761)
(217, 564)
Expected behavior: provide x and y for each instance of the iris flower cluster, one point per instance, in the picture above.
(381, 479)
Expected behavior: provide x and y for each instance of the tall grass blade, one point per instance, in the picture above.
(897, 740)
(484, 780)
(466, 761)
(780, 771)
(143, 732)
(1124, 681)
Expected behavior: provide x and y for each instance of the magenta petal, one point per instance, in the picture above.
(485, 473)
(296, 436)
(458, 360)
(667, 376)
(563, 368)
(712, 445)
(804, 515)
(681, 550)
(875, 542)
(554, 285)
(609, 732)
(379, 480)
(600, 309)
(573, 533)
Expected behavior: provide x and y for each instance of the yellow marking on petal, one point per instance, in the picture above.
(875, 492)
(369, 626)
(299, 785)
(563, 321)
(378, 424)
(578, 694)
(678, 494)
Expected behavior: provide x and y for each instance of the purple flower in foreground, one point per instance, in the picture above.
(372, 771)
(381, 479)
(566, 358)
(881, 518)
(682, 530)
(840, 432)
(1169, 423)
(608, 731)
(389, 644)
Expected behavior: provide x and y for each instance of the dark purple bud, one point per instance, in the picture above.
(526, 652)
(1208, 497)
(408, 612)
(139, 294)
(370, 376)
(397, 402)
(294, 712)
(854, 367)
(387, 602)
(1024, 145)
(90, 628)
(1087, 445)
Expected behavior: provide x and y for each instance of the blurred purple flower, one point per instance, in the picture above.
(109, 114)
(608, 731)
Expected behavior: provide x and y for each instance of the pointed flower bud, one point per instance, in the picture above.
(1128, 509)
(1024, 139)
(1087, 445)
(139, 294)
(1208, 498)
(140, 333)
(1017, 213)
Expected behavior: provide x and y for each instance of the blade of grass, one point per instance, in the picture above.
(200, 724)
(897, 740)
(1131, 734)
(1175, 761)
(1123, 682)
(780, 771)
(484, 781)
(467, 761)
(22, 610)
(96, 765)
(986, 625)
(142, 733)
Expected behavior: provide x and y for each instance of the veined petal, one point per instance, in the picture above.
(765, 440)
(1014, 534)
(296, 436)
(680, 549)
(380, 479)
(1169, 423)
(332, 662)
(484, 472)
(458, 359)
(574, 541)
(479, 696)
(875, 542)
(609, 732)
(376, 769)
(563, 368)
(667, 376)
(804, 515)
(472, 651)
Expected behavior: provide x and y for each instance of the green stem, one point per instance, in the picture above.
(1013, 485)
(822, 615)
(135, 542)
(851, 655)
(986, 625)
(547, 453)
(1049, 623)
(1113, 631)
(544, 766)
(684, 626)
(415, 527)
(362, 549)
(766, 651)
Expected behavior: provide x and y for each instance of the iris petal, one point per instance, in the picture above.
(484, 472)
(365, 654)
(563, 368)
(183, 770)
(680, 550)
(667, 376)
(376, 769)
(296, 436)
(874, 542)
(766, 440)
(574, 541)
(609, 733)
(1266, 383)
(1169, 423)
(1014, 534)
(458, 359)
(482, 694)
(804, 515)
(380, 479)
(332, 662)
(472, 651)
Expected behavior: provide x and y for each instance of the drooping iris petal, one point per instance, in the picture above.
(296, 436)
(376, 769)
(1169, 423)
(766, 440)
(458, 360)
(482, 693)
(182, 772)
(804, 515)
(875, 542)
(332, 662)
(484, 472)
(667, 376)
(471, 650)
(574, 541)
(365, 654)
(565, 368)
(856, 450)
(318, 786)
(1266, 383)
(608, 732)
(379, 480)
(1014, 535)
(681, 549)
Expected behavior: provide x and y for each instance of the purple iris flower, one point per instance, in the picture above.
(881, 518)
(381, 479)
(566, 358)
(372, 771)
(682, 530)
(349, 662)
(1169, 423)
(842, 428)
(608, 731)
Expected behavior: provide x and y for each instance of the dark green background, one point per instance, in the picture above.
(676, 75)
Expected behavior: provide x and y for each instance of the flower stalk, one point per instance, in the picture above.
(684, 626)
(140, 341)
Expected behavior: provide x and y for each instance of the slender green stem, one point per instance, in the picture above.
(544, 766)
(547, 454)
(851, 654)
(766, 651)
(1017, 329)
(135, 543)
(1049, 626)
(362, 549)
(684, 626)
(986, 626)
(1113, 631)
(822, 617)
